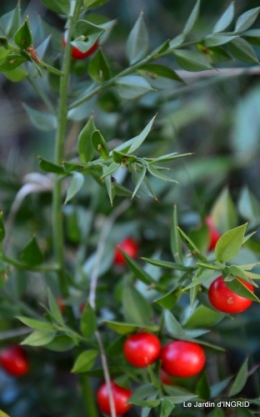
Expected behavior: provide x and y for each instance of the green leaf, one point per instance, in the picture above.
(137, 141)
(99, 144)
(48, 166)
(98, 67)
(175, 238)
(166, 264)
(191, 60)
(143, 392)
(12, 61)
(57, 6)
(136, 308)
(249, 207)
(2, 227)
(240, 379)
(23, 36)
(229, 244)
(203, 317)
(202, 387)
(60, 343)
(242, 50)
(3, 414)
(192, 19)
(137, 270)
(76, 183)
(109, 187)
(3, 55)
(153, 70)
(200, 279)
(169, 300)
(223, 212)
(246, 19)
(219, 39)
(36, 324)
(88, 322)
(39, 338)
(145, 403)
(191, 245)
(180, 399)
(166, 408)
(226, 18)
(85, 361)
(217, 388)
(158, 174)
(238, 288)
(138, 176)
(31, 254)
(132, 86)
(42, 121)
(237, 272)
(94, 3)
(125, 328)
(16, 75)
(54, 309)
(137, 43)
(85, 147)
(173, 327)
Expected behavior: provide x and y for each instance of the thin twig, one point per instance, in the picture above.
(100, 249)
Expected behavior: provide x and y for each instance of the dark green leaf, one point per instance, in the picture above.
(137, 43)
(242, 50)
(85, 146)
(137, 141)
(247, 19)
(169, 300)
(98, 68)
(85, 361)
(240, 379)
(180, 399)
(136, 308)
(200, 278)
(132, 86)
(143, 392)
(88, 322)
(202, 387)
(31, 254)
(203, 317)
(166, 264)
(50, 167)
(75, 185)
(153, 70)
(166, 408)
(42, 121)
(192, 18)
(191, 60)
(226, 18)
(12, 61)
(175, 238)
(23, 36)
(173, 327)
(54, 309)
(39, 338)
(36, 324)
(191, 245)
(2, 228)
(137, 270)
(94, 3)
(57, 6)
(125, 328)
(238, 288)
(145, 403)
(217, 388)
(99, 144)
(229, 244)
(60, 343)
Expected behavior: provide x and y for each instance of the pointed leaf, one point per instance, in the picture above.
(203, 317)
(125, 328)
(48, 166)
(173, 327)
(76, 183)
(247, 19)
(223, 212)
(42, 121)
(242, 50)
(166, 264)
(158, 174)
(99, 144)
(39, 338)
(191, 60)
(169, 300)
(85, 361)
(139, 139)
(249, 206)
(191, 245)
(85, 146)
(60, 343)
(98, 67)
(137, 43)
(36, 324)
(192, 19)
(166, 408)
(240, 379)
(88, 322)
(200, 279)
(23, 37)
(225, 20)
(54, 308)
(161, 71)
(132, 86)
(137, 270)
(238, 288)
(139, 175)
(2, 228)
(31, 254)
(143, 392)
(229, 244)
(136, 308)
(11, 62)
(202, 387)
(57, 6)
(216, 40)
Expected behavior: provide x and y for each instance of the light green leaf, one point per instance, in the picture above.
(75, 185)
(216, 40)
(39, 338)
(85, 361)
(229, 244)
(132, 86)
(16, 75)
(200, 279)
(192, 19)
(125, 328)
(191, 60)
(226, 18)
(85, 146)
(246, 19)
(36, 324)
(203, 317)
(60, 343)
(42, 121)
(240, 379)
(137, 270)
(54, 309)
(139, 139)
(137, 43)
(166, 264)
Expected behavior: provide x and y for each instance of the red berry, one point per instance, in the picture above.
(225, 300)
(142, 349)
(128, 245)
(121, 396)
(182, 359)
(14, 360)
(165, 378)
(214, 234)
(75, 52)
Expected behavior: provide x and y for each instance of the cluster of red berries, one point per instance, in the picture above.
(179, 358)
(14, 361)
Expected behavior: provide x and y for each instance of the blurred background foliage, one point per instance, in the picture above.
(216, 118)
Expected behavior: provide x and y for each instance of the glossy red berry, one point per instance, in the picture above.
(121, 396)
(225, 300)
(182, 359)
(75, 52)
(142, 349)
(128, 245)
(214, 234)
(14, 360)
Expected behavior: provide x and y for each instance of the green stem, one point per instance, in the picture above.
(88, 397)
(21, 265)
